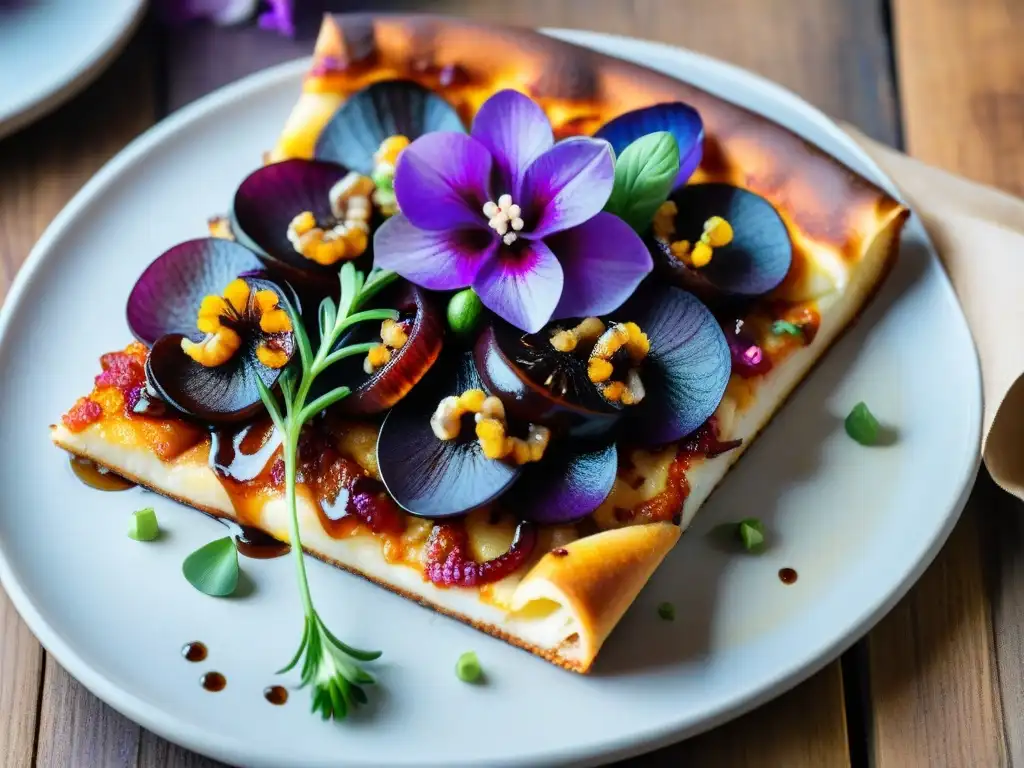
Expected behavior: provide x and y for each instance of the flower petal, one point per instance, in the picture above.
(603, 261)
(757, 258)
(438, 261)
(687, 370)
(681, 120)
(441, 181)
(384, 109)
(566, 485)
(270, 197)
(431, 477)
(223, 393)
(522, 285)
(567, 185)
(167, 295)
(516, 132)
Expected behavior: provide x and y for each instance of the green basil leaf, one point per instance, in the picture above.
(644, 174)
(213, 568)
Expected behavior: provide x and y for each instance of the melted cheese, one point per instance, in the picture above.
(646, 479)
(358, 441)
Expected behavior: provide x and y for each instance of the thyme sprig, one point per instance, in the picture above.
(330, 666)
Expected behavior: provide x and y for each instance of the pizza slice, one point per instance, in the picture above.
(523, 453)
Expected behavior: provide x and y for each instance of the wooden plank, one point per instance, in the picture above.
(834, 54)
(77, 729)
(1003, 547)
(932, 666)
(21, 667)
(960, 68)
(945, 665)
(155, 752)
(804, 727)
(43, 166)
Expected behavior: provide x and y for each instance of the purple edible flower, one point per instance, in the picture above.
(279, 17)
(223, 12)
(516, 216)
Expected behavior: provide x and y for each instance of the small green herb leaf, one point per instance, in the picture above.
(213, 568)
(784, 328)
(328, 314)
(751, 533)
(143, 526)
(644, 174)
(468, 669)
(667, 611)
(464, 312)
(862, 425)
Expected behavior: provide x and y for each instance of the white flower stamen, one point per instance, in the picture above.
(504, 216)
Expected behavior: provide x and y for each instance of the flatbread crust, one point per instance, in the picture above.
(563, 605)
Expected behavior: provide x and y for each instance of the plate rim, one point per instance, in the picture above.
(164, 722)
(77, 79)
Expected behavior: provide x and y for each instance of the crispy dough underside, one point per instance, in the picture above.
(564, 607)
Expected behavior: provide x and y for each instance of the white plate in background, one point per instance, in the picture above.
(50, 49)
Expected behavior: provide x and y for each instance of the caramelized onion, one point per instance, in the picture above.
(449, 563)
(376, 392)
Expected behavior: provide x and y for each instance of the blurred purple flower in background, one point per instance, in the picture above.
(275, 15)
(279, 17)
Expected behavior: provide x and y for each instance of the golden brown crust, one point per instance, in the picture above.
(466, 61)
(598, 577)
(555, 655)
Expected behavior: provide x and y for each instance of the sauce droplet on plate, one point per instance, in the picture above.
(194, 651)
(276, 694)
(254, 543)
(100, 478)
(213, 681)
(787, 576)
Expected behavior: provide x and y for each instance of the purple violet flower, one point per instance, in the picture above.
(516, 216)
(279, 17)
(222, 12)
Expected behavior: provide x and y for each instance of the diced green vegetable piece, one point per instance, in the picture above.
(784, 328)
(751, 533)
(143, 526)
(468, 669)
(667, 611)
(862, 425)
(464, 312)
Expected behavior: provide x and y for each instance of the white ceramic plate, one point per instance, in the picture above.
(49, 49)
(858, 524)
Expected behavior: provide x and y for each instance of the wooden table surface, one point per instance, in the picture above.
(940, 681)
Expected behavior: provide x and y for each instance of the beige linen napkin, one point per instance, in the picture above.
(979, 233)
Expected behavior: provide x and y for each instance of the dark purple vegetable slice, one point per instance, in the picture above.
(756, 260)
(225, 393)
(679, 119)
(568, 484)
(384, 109)
(539, 384)
(436, 478)
(375, 393)
(269, 198)
(166, 297)
(687, 369)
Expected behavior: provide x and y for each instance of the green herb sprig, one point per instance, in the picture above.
(328, 664)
